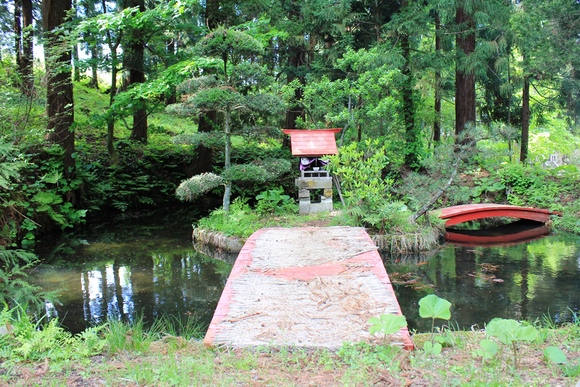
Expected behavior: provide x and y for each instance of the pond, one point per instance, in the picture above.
(141, 267)
(534, 280)
(147, 267)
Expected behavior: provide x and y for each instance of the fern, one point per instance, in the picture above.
(9, 165)
(14, 289)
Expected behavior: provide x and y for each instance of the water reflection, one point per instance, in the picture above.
(148, 267)
(528, 281)
(512, 233)
(122, 274)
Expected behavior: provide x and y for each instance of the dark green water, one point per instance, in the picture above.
(142, 267)
(528, 281)
(147, 267)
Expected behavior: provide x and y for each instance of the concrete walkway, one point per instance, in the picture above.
(310, 287)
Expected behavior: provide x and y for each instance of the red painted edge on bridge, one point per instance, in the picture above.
(468, 212)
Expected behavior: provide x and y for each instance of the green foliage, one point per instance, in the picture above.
(198, 185)
(260, 171)
(36, 196)
(275, 202)
(570, 221)
(240, 221)
(529, 185)
(431, 348)
(555, 355)
(362, 354)
(387, 324)
(222, 42)
(434, 307)
(128, 337)
(10, 165)
(487, 349)
(360, 169)
(14, 289)
(187, 329)
(29, 341)
(508, 331)
(208, 139)
(511, 332)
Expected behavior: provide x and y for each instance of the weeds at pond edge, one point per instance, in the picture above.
(167, 360)
(499, 336)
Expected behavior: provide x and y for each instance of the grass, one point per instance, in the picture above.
(168, 361)
(242, 221)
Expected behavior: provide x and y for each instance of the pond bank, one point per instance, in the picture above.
(417, 242)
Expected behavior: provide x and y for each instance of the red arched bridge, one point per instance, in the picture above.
(468, 212)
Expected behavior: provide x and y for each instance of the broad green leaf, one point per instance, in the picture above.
(387, 324)
(432, 349)
(528, 333)
(432, 306)
(555, 355)
(508, 331)
(52, 177)
(488, 349)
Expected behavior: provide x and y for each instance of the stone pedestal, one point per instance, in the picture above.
(313, 180)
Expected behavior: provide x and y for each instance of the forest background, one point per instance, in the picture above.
(440, 103)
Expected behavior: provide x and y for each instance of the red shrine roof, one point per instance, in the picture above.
(312, 142)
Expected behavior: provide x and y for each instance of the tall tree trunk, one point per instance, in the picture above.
(227, 156)
(24, 45)
(18, 33)
(212, 17)
(437, 107)
(27, 47)
(113, 92)
(94, 66)
(59, 94)
(296, 110)
(411, 135)
(76, 59)
(207, 119)
(75, 50)
(135, 64)
(525, 120)
(464, 76)
(296, 55)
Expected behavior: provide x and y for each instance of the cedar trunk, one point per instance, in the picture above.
(411, 135)
(135, 64)
(437, 107)
(24, 43)
(59, 94)
(464, 77)
(525, 120)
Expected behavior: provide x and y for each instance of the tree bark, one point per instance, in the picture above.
(411, 136)
(24, 35)
(207, 119)
(113, 92)
(465, 77)
(437, 106)
(135, 65)
(59, 94)
(227, 156)
(525, 120)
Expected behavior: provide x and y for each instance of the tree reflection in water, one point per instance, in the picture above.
(133, 272)
(529, 280)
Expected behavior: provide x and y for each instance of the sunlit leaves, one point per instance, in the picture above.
(387, 324)
(509, 331)
(434, 307)
(555, 355)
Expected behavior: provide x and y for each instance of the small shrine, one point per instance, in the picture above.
(311, 145)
